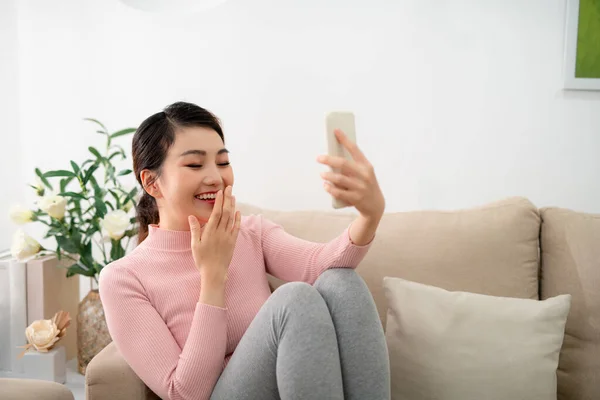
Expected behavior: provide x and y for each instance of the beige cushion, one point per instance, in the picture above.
(570, 245)
(26, 389)
(463, 346)
(499, 241)
(108, 376)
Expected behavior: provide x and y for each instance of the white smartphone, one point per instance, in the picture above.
(343, 120)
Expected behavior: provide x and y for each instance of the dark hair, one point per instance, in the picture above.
(151, 142)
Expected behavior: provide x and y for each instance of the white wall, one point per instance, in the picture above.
(10, 161)
(457, 103)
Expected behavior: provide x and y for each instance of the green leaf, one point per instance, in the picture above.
(130, 196)
(124, 172)
(99, 200)
(117, 251)
(74, 195)
(75, 210)
(68, 244)
(110, 170)
(98, 267)
(116, 197)
(65, 182)
(86, 255)
(131, 232)
(122, 132)
(75, 167)
(88, 209)
(100, 208)
(78, 208)
(109, 205)
(60, 172)
(114, 154)
(86, 162)
(76, 269)
(95, 152)
(53, 232)
(43, 178)
(89, 173)
(99, 123)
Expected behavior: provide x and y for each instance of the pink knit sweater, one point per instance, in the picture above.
(179, 346)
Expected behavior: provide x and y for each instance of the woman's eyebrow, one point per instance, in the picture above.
(202, 152)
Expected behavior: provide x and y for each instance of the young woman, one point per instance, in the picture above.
(190, 308)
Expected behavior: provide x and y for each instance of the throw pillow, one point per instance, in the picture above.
(464, 346)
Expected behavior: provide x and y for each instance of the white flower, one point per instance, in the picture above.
(20, 215)
(24, 246)
(39, 186)
(53, 205)
(42, 334)
(115, 223)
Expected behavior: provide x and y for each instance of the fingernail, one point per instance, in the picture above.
(321, 158)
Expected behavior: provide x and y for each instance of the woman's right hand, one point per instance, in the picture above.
(213, 244)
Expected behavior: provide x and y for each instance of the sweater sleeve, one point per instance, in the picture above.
(293, 259)
(148, 346)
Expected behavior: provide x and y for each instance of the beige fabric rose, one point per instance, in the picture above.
(43, 334)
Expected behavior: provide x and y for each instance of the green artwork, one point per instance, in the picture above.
(588, 40)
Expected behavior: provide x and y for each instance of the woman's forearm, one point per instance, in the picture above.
(363, 229)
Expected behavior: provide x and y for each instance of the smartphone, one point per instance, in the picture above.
(343, 120)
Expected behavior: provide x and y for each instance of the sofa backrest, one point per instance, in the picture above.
(570, 244)
(493, 249)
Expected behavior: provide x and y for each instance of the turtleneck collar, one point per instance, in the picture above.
(165, 239)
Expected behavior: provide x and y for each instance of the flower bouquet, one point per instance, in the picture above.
(80, 210)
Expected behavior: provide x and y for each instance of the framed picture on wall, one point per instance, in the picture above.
(582, 45)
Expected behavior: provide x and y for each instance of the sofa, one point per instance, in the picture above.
(33, 389)
(508, 248)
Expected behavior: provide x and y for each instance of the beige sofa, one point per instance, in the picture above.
(33, 389)
(508, 248)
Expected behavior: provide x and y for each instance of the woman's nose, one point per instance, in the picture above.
(212, 177)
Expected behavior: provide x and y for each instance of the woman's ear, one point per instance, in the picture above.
(150, 183)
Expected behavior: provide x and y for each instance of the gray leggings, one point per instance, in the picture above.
(320, 342)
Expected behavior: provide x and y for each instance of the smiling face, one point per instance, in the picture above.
(195, 168)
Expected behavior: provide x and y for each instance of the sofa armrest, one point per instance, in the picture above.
(109, 377)
(23, 389)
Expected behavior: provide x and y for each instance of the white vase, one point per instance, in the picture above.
(50, 366)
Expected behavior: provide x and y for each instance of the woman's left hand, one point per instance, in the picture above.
(356, 183)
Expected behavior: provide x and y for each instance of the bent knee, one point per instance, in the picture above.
(295, 289)
(297, 293)
(336, 275)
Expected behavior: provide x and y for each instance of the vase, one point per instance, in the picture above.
(92, 332)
